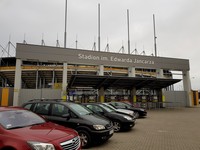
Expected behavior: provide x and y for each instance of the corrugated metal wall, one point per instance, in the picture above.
(172, 98)
(175, 98)
(28, 94)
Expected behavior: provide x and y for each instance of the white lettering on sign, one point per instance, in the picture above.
(140, 61)
(88, 57)
(115, 59)
(127, 60)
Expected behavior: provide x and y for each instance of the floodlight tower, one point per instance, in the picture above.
(154, 29)
(99, 36)
(128, 32)
(65, 34)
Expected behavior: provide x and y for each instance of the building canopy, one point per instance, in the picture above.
(119, 82)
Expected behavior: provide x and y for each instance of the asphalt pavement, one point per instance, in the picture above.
(162, 129)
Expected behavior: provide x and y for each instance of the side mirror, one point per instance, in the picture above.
(67, 116)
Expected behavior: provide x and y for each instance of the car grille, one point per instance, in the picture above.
(72, 144)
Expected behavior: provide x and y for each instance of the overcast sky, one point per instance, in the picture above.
(177, 26)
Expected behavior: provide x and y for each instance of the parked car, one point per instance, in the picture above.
(140, 112)
(120, 121)
(24, 130)
(90, 127)
(121, 111)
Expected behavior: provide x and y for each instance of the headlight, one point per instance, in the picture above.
(127, 117)
(99, 127)
(41, 146)
(131, 114)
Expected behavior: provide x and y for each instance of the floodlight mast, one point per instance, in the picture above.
(154, 28)
(128, 31)
(65, 34)
(99, 36)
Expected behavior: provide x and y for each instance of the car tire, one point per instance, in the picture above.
(116, 126)
(85, 138)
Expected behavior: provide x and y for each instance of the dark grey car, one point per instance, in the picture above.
(91, 127)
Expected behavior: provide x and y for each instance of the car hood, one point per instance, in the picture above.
(43, 132)
(96, 119)
(125, 111)
(116, 115)
(138, 109)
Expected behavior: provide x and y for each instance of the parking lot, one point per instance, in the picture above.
(162, 129)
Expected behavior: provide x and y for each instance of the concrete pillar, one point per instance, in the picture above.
(159, 73)
(131, 71)
(17, 87)
(101, 90)
(101, 95)
(101, 70)
(64, 82)
(187, 87)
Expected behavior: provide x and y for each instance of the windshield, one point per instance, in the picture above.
(111, 107)
(106, 108)
(19, 118)
(125, 104)
(79, 109)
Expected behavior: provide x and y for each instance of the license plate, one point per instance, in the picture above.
(111, 131)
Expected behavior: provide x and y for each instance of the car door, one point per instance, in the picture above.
(57, 114)
(62, 115)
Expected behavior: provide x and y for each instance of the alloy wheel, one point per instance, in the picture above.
(116, 126)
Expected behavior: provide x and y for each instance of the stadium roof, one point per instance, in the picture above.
(119, 82)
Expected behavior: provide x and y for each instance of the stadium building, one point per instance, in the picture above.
(85, 76)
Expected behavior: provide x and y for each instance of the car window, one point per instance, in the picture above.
(127, 105)
(119, 105)
(113, 103)
(28, 106)
(42, 108)
(59, 110)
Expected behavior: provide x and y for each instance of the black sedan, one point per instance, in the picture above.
(140, 112)
(120, 121)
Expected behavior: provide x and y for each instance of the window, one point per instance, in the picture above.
(59, 110)
(28, 106)
(42, 108)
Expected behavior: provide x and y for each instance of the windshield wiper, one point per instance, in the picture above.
(37, 124)
(90, 113)
(17, 127)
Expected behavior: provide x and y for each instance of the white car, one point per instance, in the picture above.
(122, 111)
